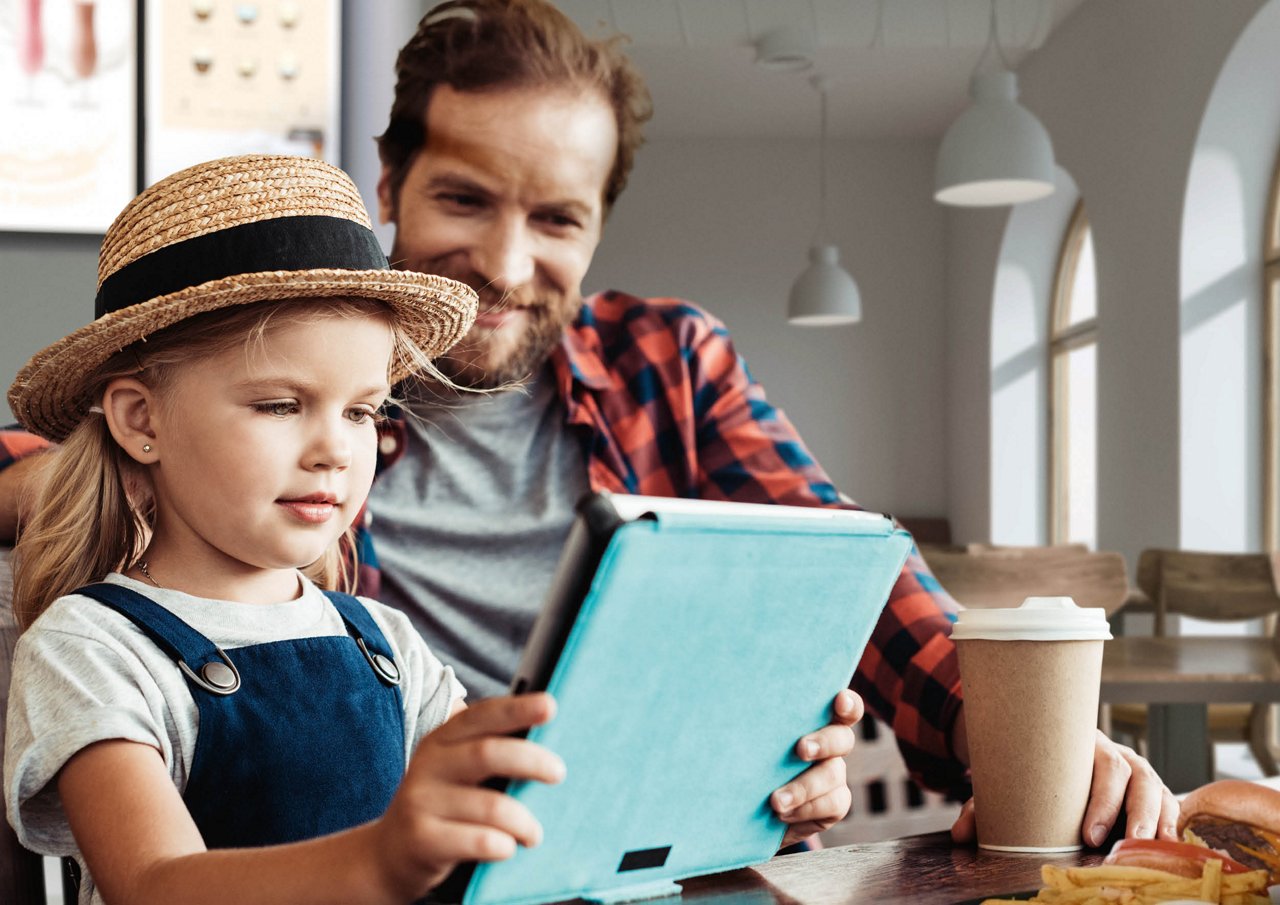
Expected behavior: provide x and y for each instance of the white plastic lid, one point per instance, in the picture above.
(1038, 619)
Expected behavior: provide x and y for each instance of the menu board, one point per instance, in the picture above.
(224, 77)
(68, 112)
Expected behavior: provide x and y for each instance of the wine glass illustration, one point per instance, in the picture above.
(30, 44)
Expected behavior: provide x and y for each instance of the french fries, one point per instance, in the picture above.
(1114, 884)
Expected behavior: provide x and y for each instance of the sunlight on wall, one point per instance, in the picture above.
(1017, 469)
(1214, 462)
(1019, 328)
(1218, 385)
(1017, 409)
(1019, 359)
(1213, 243)
(1220, 309)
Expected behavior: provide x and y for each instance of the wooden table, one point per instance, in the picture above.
(922, 870)
(1180, 676)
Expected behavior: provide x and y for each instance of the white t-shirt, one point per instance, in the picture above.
(84, 673)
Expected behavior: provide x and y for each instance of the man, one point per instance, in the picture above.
(510, 138)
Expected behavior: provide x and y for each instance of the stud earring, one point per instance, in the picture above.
(146, 447)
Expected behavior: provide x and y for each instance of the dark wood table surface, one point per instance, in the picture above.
(923, 870)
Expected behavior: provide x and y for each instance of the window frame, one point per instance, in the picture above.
(1064, 338)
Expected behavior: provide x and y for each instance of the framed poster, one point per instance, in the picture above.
(223, 77)
(68, 104)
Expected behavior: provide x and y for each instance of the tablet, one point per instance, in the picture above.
(689, 644)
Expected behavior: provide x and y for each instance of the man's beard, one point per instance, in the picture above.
(468, 363)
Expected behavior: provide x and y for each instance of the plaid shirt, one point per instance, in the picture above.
(667, 408)
(14, 444)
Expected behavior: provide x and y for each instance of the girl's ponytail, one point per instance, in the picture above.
(87, 522)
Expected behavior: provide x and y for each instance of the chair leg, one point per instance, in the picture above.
(1260, 741)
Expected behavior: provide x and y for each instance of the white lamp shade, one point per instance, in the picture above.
(997, 152)
(824, 294)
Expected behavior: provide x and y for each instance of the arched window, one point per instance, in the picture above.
(1073, 398)
(1271, 367)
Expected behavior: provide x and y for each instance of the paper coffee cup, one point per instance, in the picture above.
(1030, 676)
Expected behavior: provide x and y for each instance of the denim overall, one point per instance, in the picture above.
(296, 738)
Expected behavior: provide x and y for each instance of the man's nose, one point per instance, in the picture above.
(505, 256)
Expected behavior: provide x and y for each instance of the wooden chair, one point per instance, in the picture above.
(1004, 578)
(1014, 550)
(21, 871)
(1220, 587)
(928, 529)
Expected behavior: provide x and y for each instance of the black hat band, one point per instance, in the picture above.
(282, 243)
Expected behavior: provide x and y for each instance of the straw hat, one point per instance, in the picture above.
(229, 232)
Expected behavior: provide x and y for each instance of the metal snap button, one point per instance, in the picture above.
(383, 666)
(219, 675)
(388, 667)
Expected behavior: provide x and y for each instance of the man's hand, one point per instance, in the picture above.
(442, 814)
(819, 797)
(1120, 777)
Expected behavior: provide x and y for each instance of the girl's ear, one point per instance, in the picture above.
(129, 407)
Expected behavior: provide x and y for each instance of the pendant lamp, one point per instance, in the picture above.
(997, 152)
(824, 294)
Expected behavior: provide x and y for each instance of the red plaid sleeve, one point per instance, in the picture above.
(16, 444)
(676, 412)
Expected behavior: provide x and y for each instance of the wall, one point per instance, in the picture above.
(727, 223)
(1221, 296)
(1122, 88)
(46, 290)
(372, 34)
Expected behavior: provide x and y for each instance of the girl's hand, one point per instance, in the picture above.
(442, 815)
(818, 798)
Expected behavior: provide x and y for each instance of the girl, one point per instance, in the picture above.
(191, 717)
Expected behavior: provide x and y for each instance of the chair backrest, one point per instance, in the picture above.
(1214, 586)
(1015, 550)
(927, 529)
(999, 579)
(21, 871)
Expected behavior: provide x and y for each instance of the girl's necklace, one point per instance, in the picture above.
(146, 573)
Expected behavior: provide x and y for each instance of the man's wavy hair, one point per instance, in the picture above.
(480, 45)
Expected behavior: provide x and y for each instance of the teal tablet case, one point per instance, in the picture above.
(703, 649)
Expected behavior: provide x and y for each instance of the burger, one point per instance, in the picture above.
(1238, 818)
(1183, 859)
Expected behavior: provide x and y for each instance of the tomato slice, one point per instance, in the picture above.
(1196, 854)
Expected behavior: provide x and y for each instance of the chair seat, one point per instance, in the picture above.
(1226, 723)
(1223, 719)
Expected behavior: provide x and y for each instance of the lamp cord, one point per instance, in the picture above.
(993, 40)
(820, 84)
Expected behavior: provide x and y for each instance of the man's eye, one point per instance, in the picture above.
(279, 408)
(461, 199)
(559, 221)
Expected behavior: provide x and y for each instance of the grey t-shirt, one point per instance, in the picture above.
(468, 525)
(83, 673)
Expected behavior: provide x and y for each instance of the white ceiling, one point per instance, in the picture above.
(894, 68)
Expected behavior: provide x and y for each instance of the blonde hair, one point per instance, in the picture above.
(94, 510)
